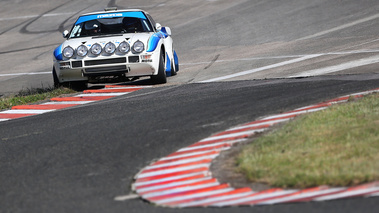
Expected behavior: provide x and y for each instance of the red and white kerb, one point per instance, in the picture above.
(183, 179)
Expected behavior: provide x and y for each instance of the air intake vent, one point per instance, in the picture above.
(77, 64)
(105, 61)
(133, 59)
(121, 68)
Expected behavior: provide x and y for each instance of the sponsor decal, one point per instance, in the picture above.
(110, 15)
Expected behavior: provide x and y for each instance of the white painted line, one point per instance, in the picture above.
(177, 177)
(259, 124)
(126, 197)
(204, 146)
(303, 108)
(4, 120)
(293, 113)
(354, 51)
(30, 73)
(187, 155)
(302, 196)
(193, 196)
(251, 132)
(15, 111)
(180, 189)
(374, 195)
(209, 150)
(364, 93)
(286, 56)
(172, 184)
(127, 87)
(255, 198)
(168, 171)
(179, 162)
(340, 67)
(243, 59)
(360, 21)
(35, 16)
(215, 199)
(223, 148)
(101, 94)
(348, 194)
(364, 43)
(229, 141)
(262, 68)
(67, 102)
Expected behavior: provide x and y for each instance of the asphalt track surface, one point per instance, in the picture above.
(76, 161)
(238, 62)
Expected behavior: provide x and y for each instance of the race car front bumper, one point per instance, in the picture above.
(92, 69)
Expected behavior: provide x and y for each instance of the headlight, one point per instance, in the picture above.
(110, 48)
(138, 47)
(124, 47)
(68, 52)
(96, 49)
(82, 51)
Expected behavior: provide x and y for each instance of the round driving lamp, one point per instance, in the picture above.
(68, 52)
(96, 49)
(138, 47)
(110, 48)
(124, 47)
(82, 51)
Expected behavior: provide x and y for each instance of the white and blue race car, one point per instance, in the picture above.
(114, 46)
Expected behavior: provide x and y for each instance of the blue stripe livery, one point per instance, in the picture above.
(138, 14)
(168, 65)
(58, 53)
(153, 41)
(176, 61)
(164, 32)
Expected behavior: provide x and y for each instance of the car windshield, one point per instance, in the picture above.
(110, 24)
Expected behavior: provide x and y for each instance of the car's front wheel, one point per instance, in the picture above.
(173, 71)
(57, 84)
(75, 85)
(160, 78)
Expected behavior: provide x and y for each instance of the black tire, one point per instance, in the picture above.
(160, 78)
(173, 71)
(57, 84)
(75, 85)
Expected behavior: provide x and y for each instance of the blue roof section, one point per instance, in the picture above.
(133, 14)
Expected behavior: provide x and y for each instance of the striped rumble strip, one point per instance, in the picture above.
(183, 178)
(88, 96)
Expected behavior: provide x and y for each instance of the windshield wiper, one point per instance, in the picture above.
(106, 35)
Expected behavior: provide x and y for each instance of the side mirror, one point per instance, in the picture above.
(158, 27)
(65, 34)
(166, 30)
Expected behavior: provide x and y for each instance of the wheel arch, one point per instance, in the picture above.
(168, 61)
(163, 51)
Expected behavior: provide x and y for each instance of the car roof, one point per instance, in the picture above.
(113, 11)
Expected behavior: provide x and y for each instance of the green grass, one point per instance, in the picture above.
(338, 146)
(29, 96)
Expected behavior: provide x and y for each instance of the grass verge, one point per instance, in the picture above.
(338, 146)
(29, 96)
